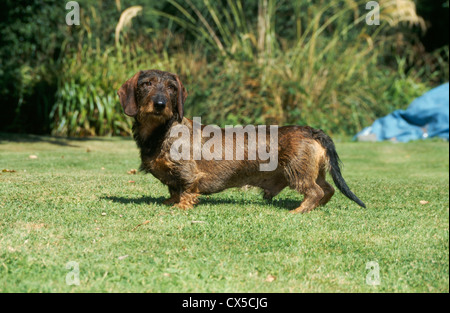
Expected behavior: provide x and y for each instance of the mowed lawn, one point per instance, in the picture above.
(73, 210)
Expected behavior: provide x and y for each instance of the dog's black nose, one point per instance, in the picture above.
(160, 103)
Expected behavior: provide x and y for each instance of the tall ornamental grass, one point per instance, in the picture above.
(332, 73)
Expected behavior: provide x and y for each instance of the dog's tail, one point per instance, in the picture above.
(334, 166)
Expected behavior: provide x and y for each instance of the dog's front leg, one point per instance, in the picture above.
(187, 200)
(174, 196)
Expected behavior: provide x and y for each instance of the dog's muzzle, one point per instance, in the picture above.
(159, 103)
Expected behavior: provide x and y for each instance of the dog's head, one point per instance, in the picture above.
(156, 94)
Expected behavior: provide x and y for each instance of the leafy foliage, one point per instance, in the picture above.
(262, 61)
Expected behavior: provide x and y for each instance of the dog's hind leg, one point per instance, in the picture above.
(269, 194)
(302, 172)
(313, 196)
(305, 183)
(274, 189)
(326, 187)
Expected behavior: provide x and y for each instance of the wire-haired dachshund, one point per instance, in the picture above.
(155, 99)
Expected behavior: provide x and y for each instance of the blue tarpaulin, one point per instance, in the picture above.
(426, 117)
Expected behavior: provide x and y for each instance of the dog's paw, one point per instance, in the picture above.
(183, 206)
(169, 201)
(298, 210)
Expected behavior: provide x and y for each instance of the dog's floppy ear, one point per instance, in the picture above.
(127, 95)
(182, 95)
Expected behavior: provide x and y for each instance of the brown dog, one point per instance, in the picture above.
(156, 101)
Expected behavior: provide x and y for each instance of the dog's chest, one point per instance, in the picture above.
(160, 167)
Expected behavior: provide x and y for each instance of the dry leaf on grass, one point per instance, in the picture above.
(34, 226)
(131, 181)
(33, 157)
(270, 278)
(122, 257)
(132, 171)
(145, 223)
(423, 202)
(8, 171)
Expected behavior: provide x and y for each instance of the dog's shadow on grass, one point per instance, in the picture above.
(287, 204)
(130, 200)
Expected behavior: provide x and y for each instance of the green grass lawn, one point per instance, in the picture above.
(76, 202)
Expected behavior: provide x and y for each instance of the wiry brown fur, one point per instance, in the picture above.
(304, 154)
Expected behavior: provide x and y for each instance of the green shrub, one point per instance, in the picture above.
(329, 76)
(265, 62)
